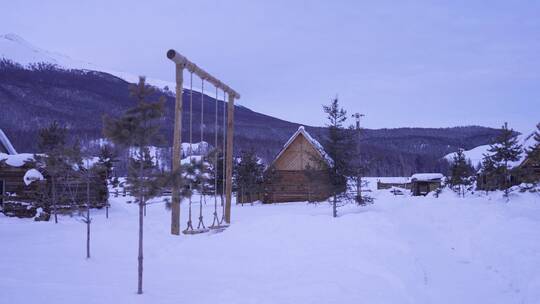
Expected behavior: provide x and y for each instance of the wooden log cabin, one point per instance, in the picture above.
(525, 170)
(298, 172)
(530, 169)
(20, 180)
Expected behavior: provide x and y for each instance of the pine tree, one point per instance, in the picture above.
(530, 171)
(52, 137)
(144, 164)
(488, 172)
(107, 158)
(248, 173)
(460, 171)
(533, 153)
(339, 147)
(54, 159)
(138, 128)
(504, 150)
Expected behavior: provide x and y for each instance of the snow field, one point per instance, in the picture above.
(402, 249)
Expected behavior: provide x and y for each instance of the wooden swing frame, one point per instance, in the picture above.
(182, 63)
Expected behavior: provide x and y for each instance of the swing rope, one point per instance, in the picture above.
(202, 198)
(215, 221)
(190, 223)
(223, 151)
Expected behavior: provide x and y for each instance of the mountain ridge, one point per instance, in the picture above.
(34, 94)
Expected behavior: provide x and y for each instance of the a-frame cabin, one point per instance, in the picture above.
(298, 173)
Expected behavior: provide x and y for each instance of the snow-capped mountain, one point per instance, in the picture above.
(17, 49)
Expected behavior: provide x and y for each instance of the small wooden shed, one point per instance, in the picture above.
(423, 183)
(298, 172)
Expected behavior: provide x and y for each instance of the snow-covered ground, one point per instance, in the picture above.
(402, 249)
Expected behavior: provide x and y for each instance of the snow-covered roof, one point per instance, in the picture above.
(426, 177)
(31, 176)
(393, 180)
(4, 141)
(318, 147)
(16, 160)
(19, 160)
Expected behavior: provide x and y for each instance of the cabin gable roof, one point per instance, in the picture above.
(302, 138)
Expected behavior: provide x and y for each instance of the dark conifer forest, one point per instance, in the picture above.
(32, 97)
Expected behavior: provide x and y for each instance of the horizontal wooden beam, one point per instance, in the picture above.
(182, 61)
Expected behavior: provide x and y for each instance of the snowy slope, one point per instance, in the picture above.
(16, 49)
(402, 249)
(477, 154)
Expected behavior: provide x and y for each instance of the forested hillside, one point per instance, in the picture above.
(32, 97)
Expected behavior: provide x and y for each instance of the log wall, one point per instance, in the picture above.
(16, 191)
(12, 178)
(296, 186)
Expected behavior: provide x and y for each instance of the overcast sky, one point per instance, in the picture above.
(402, 63)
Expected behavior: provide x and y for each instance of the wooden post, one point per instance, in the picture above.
(177, 140)
(229, 156)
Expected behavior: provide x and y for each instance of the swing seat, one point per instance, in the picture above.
(195, 231)
(219, 227)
